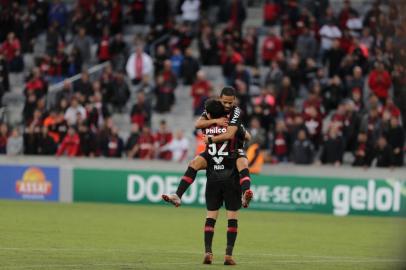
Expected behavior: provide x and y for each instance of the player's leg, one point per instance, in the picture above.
(208, 235)
(214, 200)
(232, 230)
(232, 199)
(198, 163)
(245, 180)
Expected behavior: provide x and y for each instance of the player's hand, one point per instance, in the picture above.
(206, 139)
(222, 122)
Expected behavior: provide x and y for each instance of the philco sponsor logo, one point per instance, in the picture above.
(152, 188)
(215, 130)
(33, 184)
(369, 198)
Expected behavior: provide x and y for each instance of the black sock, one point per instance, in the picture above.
(187, 180)
(208, 233)
(245, 180)
(231, 235)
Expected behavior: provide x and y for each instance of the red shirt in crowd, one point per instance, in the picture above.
(271, 47)
(379, 82)
(280, 144)
(146, 143)
(104, 49)
(200, 90)
(35, 84)
(271, 11)
(162, 139)
(69, 145)
(10, 49)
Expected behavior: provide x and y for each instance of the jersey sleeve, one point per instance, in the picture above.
(235, 117)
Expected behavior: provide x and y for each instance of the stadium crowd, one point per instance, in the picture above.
(314, 82)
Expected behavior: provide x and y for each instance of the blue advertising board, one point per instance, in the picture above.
(29, 182)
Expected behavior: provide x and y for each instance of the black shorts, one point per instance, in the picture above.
(227, 191)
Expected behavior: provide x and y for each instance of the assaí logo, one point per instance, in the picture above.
(33, 184)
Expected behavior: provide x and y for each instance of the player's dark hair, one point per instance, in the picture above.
(214, 108)
(228, 91)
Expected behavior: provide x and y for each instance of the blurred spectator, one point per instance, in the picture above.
(190, 11)
(66, 92)
(141, 111)
(162, 138)
(103, 50)
(334, 56)
(333, 147)
(281, 142)
(52, 39)
(70, 144)
(31, 140)
(3, 137)
(302, 149)
(83, 43)
(138, 11)
(36, 84)
(58, 13)
(165, 89)
(379, 81)
(201, 90)
(363, 152)
(234, 12)
(113, 146)
(11, 48)
(121, 93)
(395, 135)
(271, 46)
(138, 65)
(208, 46)
(190, 66)
(15, 144)
(271, 11)
(161, 11)
(241, 82)
(118, 52)
(306, 44)
(46, 144)
(87, 141)
(328, 32)
(83, 85)
(131, 144)
(383, 153)
(333, 92)
(229, 60)
(257, 132)
(177, 61)
(4, 81)
(144, 148)
(177, 147)
(71, 114)
(372, 125)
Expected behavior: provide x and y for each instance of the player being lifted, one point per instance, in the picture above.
(230, 119)
(222, 184)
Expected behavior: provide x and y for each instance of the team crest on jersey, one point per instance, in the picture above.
(218, 165)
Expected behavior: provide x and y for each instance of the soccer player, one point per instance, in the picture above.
(230, 119)
(222, 185)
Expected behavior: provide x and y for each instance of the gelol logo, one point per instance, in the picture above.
(367, 198)
(33, 184)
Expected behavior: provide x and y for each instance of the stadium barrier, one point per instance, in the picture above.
(288, 188)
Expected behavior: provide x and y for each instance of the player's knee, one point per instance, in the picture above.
(197, 163)
(242, 163)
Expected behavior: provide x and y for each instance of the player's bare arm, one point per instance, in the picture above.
(203, 122)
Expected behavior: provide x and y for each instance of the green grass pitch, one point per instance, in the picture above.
(36, 235)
